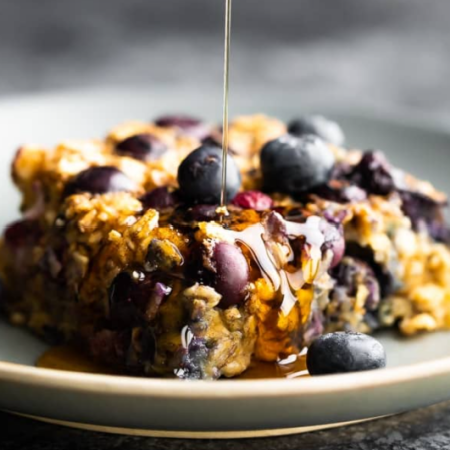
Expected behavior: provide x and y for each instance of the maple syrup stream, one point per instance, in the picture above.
(226, 88)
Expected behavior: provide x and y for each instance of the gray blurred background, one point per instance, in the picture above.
(393, 53)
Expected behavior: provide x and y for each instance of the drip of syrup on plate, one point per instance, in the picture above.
(226, 87)
(70, 358)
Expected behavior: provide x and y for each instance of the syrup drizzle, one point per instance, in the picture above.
(253, 237)
(271, 265)
(226, 84)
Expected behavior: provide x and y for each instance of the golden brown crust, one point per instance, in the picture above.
(85, 241)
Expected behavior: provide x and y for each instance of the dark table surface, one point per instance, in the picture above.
(425, 429)
(390, 53)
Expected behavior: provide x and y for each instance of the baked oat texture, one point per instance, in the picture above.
(138, 288)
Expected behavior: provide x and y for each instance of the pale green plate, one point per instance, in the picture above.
(419, 368)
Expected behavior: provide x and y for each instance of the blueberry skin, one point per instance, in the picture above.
(320, 126)
(374, 173)
(294, 165)
(343, 352)
(186, 124)
(203, 213)
(231, 274)
(180, 121)
(99, 180)
(334, 241)
(21, 233)
(200, 176)
(160, 198)
(144, 147)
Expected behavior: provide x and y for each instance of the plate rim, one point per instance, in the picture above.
(231, 389)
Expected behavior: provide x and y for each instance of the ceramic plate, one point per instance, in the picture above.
(418, 372)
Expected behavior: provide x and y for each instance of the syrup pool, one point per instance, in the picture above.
(70, 358)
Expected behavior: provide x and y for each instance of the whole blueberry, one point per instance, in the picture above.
(160, 198)
(320, 126)
(200, 176)
(99, 180)
(294, 165)
(343, 352)
(231, 273)
(144, 147)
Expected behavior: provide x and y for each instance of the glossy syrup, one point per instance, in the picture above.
(226, 88)
(72, 359)
(255, 239)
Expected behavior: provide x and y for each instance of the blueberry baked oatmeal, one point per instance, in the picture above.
(123, 249)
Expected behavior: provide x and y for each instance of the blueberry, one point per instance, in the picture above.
(341, 192)
(203, 213)
(294, 165)
(215, 140)
(144, 147)
(334, 241)
(343, 352)
(161, 198)
(22, 233)
(192, 359)
(186, 125)
(349, 276)
(388, 284)
(125, 297)
(374, 174)
(194, 270)
(320, 126)
(179, 121)
(135, 297)
(231, 273)
(212, 140)
(426, 214)
(99, 180)
(200, 176)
